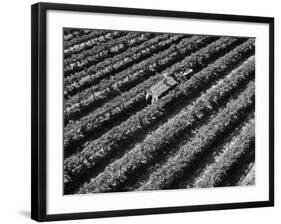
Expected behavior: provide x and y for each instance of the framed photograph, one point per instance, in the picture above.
(140, 111)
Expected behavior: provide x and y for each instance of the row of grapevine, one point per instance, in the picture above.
(74, 49)
(69, 35)
(202, 140)
(148, 150)
(84, 36)
(96, 150)
(157, 110)
(249, 178)
(122, 105)
(94, 74)
(112, 113)
(117, 63)
(143, 69)
(130, 77)
(149, 111)
(94, 55)
(232, 84)
(110, 44)
(190, 65)
(126, 57)
(87, 35)
(238, 146)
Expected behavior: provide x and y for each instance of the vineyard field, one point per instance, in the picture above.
(150, 111)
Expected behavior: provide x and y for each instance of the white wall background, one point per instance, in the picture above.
(15, 110)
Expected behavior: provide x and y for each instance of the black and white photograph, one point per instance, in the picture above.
(139, 111)
(147, 111)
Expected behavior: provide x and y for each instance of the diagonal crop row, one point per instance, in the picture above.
(85, 37)
(128, 78)
(114, 111)
(87, 125)
(155, 111)
(190, 65)
(126, 57)
(97, 150)
(130, 37)
(232, 85)
(239, 169)
(74, 111)
(70, 34)
(95, 55)
(204, 137)
(148, 150)
(94, 74)
(239, 145)
(74, 49)
(191, 174)
(249, 178)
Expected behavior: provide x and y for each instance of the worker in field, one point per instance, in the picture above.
(148, 96)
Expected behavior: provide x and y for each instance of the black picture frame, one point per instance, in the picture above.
(39, 122)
